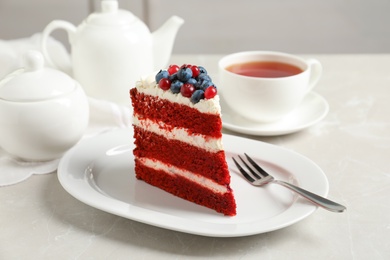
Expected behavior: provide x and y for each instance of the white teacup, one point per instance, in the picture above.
(266, 98)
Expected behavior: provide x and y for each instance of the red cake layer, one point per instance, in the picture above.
(181, 155)
(183, 188)
(175, 115)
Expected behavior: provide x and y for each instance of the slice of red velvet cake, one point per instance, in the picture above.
(178, 139)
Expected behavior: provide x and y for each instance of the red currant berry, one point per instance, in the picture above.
(187, 90)
(195, 71)
(172, 69)
(210, 92)
(164, 84)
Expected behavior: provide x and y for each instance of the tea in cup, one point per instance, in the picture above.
(265, 86)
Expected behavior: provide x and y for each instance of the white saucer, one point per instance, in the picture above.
(312, 109)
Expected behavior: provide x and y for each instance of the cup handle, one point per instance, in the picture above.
(315, 73)
(54, 25)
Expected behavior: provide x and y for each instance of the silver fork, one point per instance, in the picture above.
(262, 177)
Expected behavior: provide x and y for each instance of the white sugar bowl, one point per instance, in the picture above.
(43, 112)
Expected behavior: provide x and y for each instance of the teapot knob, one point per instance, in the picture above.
(33, 61)
(109, 6)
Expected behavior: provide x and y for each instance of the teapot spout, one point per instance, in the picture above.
(163, 40)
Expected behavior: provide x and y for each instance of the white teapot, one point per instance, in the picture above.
(43, 111)
(112, 49)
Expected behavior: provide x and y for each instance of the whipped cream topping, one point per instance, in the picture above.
(198, 140)
(203, 181)
(148, 85)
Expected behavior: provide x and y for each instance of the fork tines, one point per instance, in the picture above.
(261, 177)
(261, 174)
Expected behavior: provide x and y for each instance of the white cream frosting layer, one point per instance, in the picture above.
(147, 85)
(201, 141)
(203, 181)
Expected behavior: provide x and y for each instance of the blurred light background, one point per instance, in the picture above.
(225, 26)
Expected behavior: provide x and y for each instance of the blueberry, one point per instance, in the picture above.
(205, 84)
(197, 96)
(172, 77)
(191, 81)
(202, 70)
(203, 76)
(184, 74)
(175, 86)
(198, 84)
(161, 74)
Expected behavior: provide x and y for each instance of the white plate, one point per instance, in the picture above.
(312, 109)
(100, 172)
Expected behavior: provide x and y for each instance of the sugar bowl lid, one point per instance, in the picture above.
(34, 82)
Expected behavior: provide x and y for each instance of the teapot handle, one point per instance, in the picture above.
(54, 25)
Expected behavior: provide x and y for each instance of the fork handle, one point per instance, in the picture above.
(316, 199)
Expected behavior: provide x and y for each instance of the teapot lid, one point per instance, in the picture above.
(34, 82)
(110, 15)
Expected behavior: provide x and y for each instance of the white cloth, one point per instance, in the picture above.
(104, 115)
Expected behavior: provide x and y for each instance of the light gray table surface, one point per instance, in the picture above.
(40, 220)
